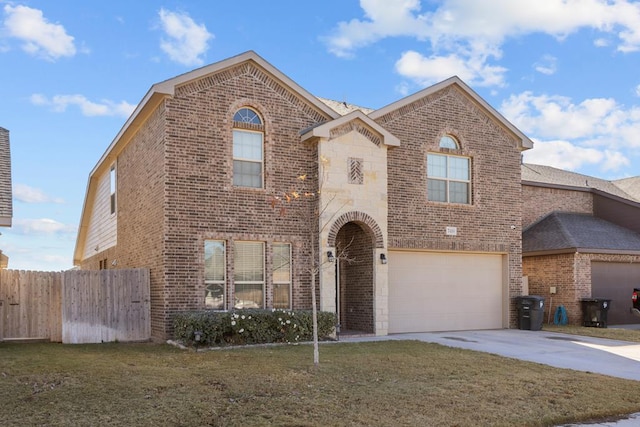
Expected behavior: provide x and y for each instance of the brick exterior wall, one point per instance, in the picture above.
(570, 274)
(559, 271)
(140, 227)
(538, 202)
(483, 226)
(356, 278)
(175, 190)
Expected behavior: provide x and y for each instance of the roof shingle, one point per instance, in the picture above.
(561, 231)
(553, 176)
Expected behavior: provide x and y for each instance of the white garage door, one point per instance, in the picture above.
(444, 291)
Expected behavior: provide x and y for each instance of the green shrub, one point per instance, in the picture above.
(250, 326)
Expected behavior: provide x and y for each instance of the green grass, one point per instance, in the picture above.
(358, 384)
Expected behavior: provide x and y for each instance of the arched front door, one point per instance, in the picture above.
(355, 278)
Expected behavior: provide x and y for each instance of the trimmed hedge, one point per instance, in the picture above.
(250, 326)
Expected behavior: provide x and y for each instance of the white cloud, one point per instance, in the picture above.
(614, 161)
(562, 155)
(385, 18)
(558, 117)
(602, 42)
(59, 104)
(42, 226)
(461, 31)
(26, 194)
(595, 131)
(569, 156)
(39, 37)
(429, 70)
(186, 41)
(546, 65)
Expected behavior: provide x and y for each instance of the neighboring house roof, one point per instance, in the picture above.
(550, 176)
(631, 186)
(343, 108)
(562, 232)
(523, 140)
(6, 199)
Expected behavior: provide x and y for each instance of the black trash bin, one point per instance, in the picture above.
(594, 312)
(530, 312)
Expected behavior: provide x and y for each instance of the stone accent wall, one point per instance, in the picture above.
(492, 222)
(538, 202)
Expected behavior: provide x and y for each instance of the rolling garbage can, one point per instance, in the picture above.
(594, 312)
(530, 312)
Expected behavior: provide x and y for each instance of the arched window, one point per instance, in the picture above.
(448, 141)
(248, 149)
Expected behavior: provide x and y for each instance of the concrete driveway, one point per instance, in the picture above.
(609, 357)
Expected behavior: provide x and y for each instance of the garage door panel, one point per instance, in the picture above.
(444, 291)
(615, 281)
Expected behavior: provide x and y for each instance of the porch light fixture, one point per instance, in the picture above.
(383, 258)
(330, 256)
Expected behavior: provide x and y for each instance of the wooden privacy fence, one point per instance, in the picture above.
(76, 306)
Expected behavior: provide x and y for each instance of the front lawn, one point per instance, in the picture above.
(359, 384)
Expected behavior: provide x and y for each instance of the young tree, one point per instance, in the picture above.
(315, 262)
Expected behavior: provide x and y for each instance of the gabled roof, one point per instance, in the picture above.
(6, 198)
(524, 142)
(324, 130)
(553, 177)
(562, 232)
(631, 186)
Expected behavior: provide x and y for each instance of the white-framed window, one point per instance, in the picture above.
(215, 274)
(281, 275)
(112, 189)
(249, 275)
(448, 178)
(248, 149)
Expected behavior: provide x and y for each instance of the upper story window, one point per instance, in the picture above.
(248, 149)
(112, 188)
(448, 178)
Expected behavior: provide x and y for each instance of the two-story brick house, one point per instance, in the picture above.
(424, 194)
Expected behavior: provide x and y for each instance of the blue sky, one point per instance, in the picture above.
(566, 72)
